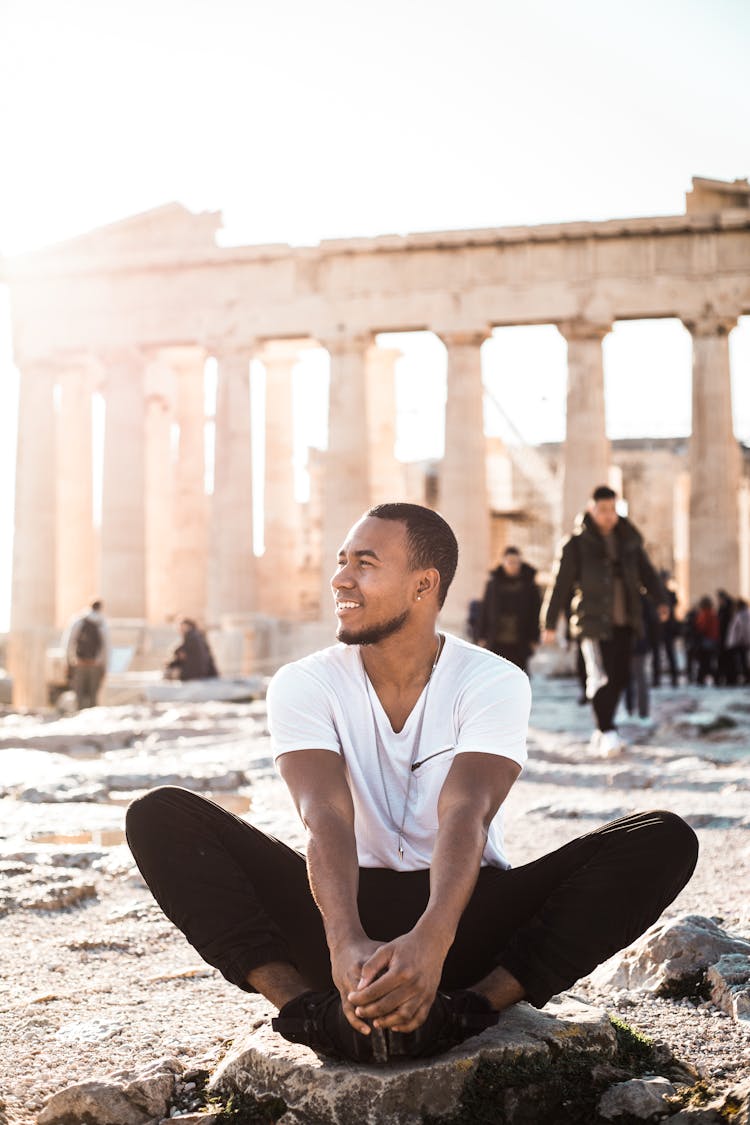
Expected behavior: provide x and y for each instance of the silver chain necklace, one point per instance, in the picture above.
(382, 753)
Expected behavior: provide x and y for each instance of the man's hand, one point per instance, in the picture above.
(399, 982)
(663, 611)
(549, 636)
(347, 966)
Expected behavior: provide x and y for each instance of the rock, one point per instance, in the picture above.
(703, 723)
(122, 1099)
(736, 1105)
(95, 1103)
(67, 790)
(318, 1091)
(196, 780)
(88, 1031)
(58, 896)
(668, 953)
(729, 980)
(643, 1098)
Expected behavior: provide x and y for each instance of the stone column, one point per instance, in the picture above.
(189, 566)
(161, 597)
(386, 473)
(587, 451)
(346, 484)
(464, 498)
(279, 566)
(232, 570)
(681, 538)
(714, 461)
(123, 562)
(77, 554)
(744, 546)
(32, 617)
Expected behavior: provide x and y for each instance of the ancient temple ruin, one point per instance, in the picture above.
(131, 312)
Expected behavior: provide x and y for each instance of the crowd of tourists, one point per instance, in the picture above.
(717, 641)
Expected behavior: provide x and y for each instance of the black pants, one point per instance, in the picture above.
(616, 659)
(242, 898)
(667, 640)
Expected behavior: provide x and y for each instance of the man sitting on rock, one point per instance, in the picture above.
(406, 930)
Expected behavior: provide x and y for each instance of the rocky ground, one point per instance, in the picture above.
(94, 980)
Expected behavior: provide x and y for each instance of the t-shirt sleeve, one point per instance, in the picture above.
(493, 713)
(299, 712)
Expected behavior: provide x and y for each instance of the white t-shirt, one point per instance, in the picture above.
(476, 701)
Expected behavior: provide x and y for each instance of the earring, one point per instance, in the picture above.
(419, 597)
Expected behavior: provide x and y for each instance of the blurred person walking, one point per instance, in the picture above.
(738, 641)
(509, 616)
(637, 697)
(725, 671)
(600, 571)
(664, 636)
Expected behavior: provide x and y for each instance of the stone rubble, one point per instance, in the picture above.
(644, 1098)
(124, 1099)
(729, 981)
(670, 952)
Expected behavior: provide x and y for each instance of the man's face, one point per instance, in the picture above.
(604, 515)
(512, 565)
(373, 586)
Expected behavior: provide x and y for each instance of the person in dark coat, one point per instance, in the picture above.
(600, 572)
(663, 636)
(509, 617)
(192, 659)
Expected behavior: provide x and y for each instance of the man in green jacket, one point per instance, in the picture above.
(599, 574)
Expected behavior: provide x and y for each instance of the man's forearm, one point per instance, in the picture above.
(455, 866)
(333, 872)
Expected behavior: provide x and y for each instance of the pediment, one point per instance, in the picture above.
(169, 232)
(170, 225)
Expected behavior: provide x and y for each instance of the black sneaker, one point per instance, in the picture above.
(453, 1017)
(317, 1020)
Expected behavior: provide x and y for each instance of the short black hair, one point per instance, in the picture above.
(431, 540)
(512, 551)
(603, 492)
(96, 605)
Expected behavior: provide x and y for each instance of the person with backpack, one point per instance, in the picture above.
(88, 653)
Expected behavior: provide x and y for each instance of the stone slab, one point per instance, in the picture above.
(319, 1091)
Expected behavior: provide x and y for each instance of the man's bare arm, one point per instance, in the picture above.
(318, 785)
(400, 981)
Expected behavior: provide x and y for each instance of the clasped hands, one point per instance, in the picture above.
(391, 984)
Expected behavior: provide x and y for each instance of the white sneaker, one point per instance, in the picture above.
(611, 743)
(594, 740)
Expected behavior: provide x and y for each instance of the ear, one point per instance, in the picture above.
(428, 584)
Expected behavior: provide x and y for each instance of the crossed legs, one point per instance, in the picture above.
(242, 899)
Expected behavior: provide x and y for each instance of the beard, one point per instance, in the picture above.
(374, 634)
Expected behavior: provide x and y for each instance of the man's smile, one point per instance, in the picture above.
(343, 605)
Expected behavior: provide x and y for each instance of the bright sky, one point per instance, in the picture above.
(304, 121)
